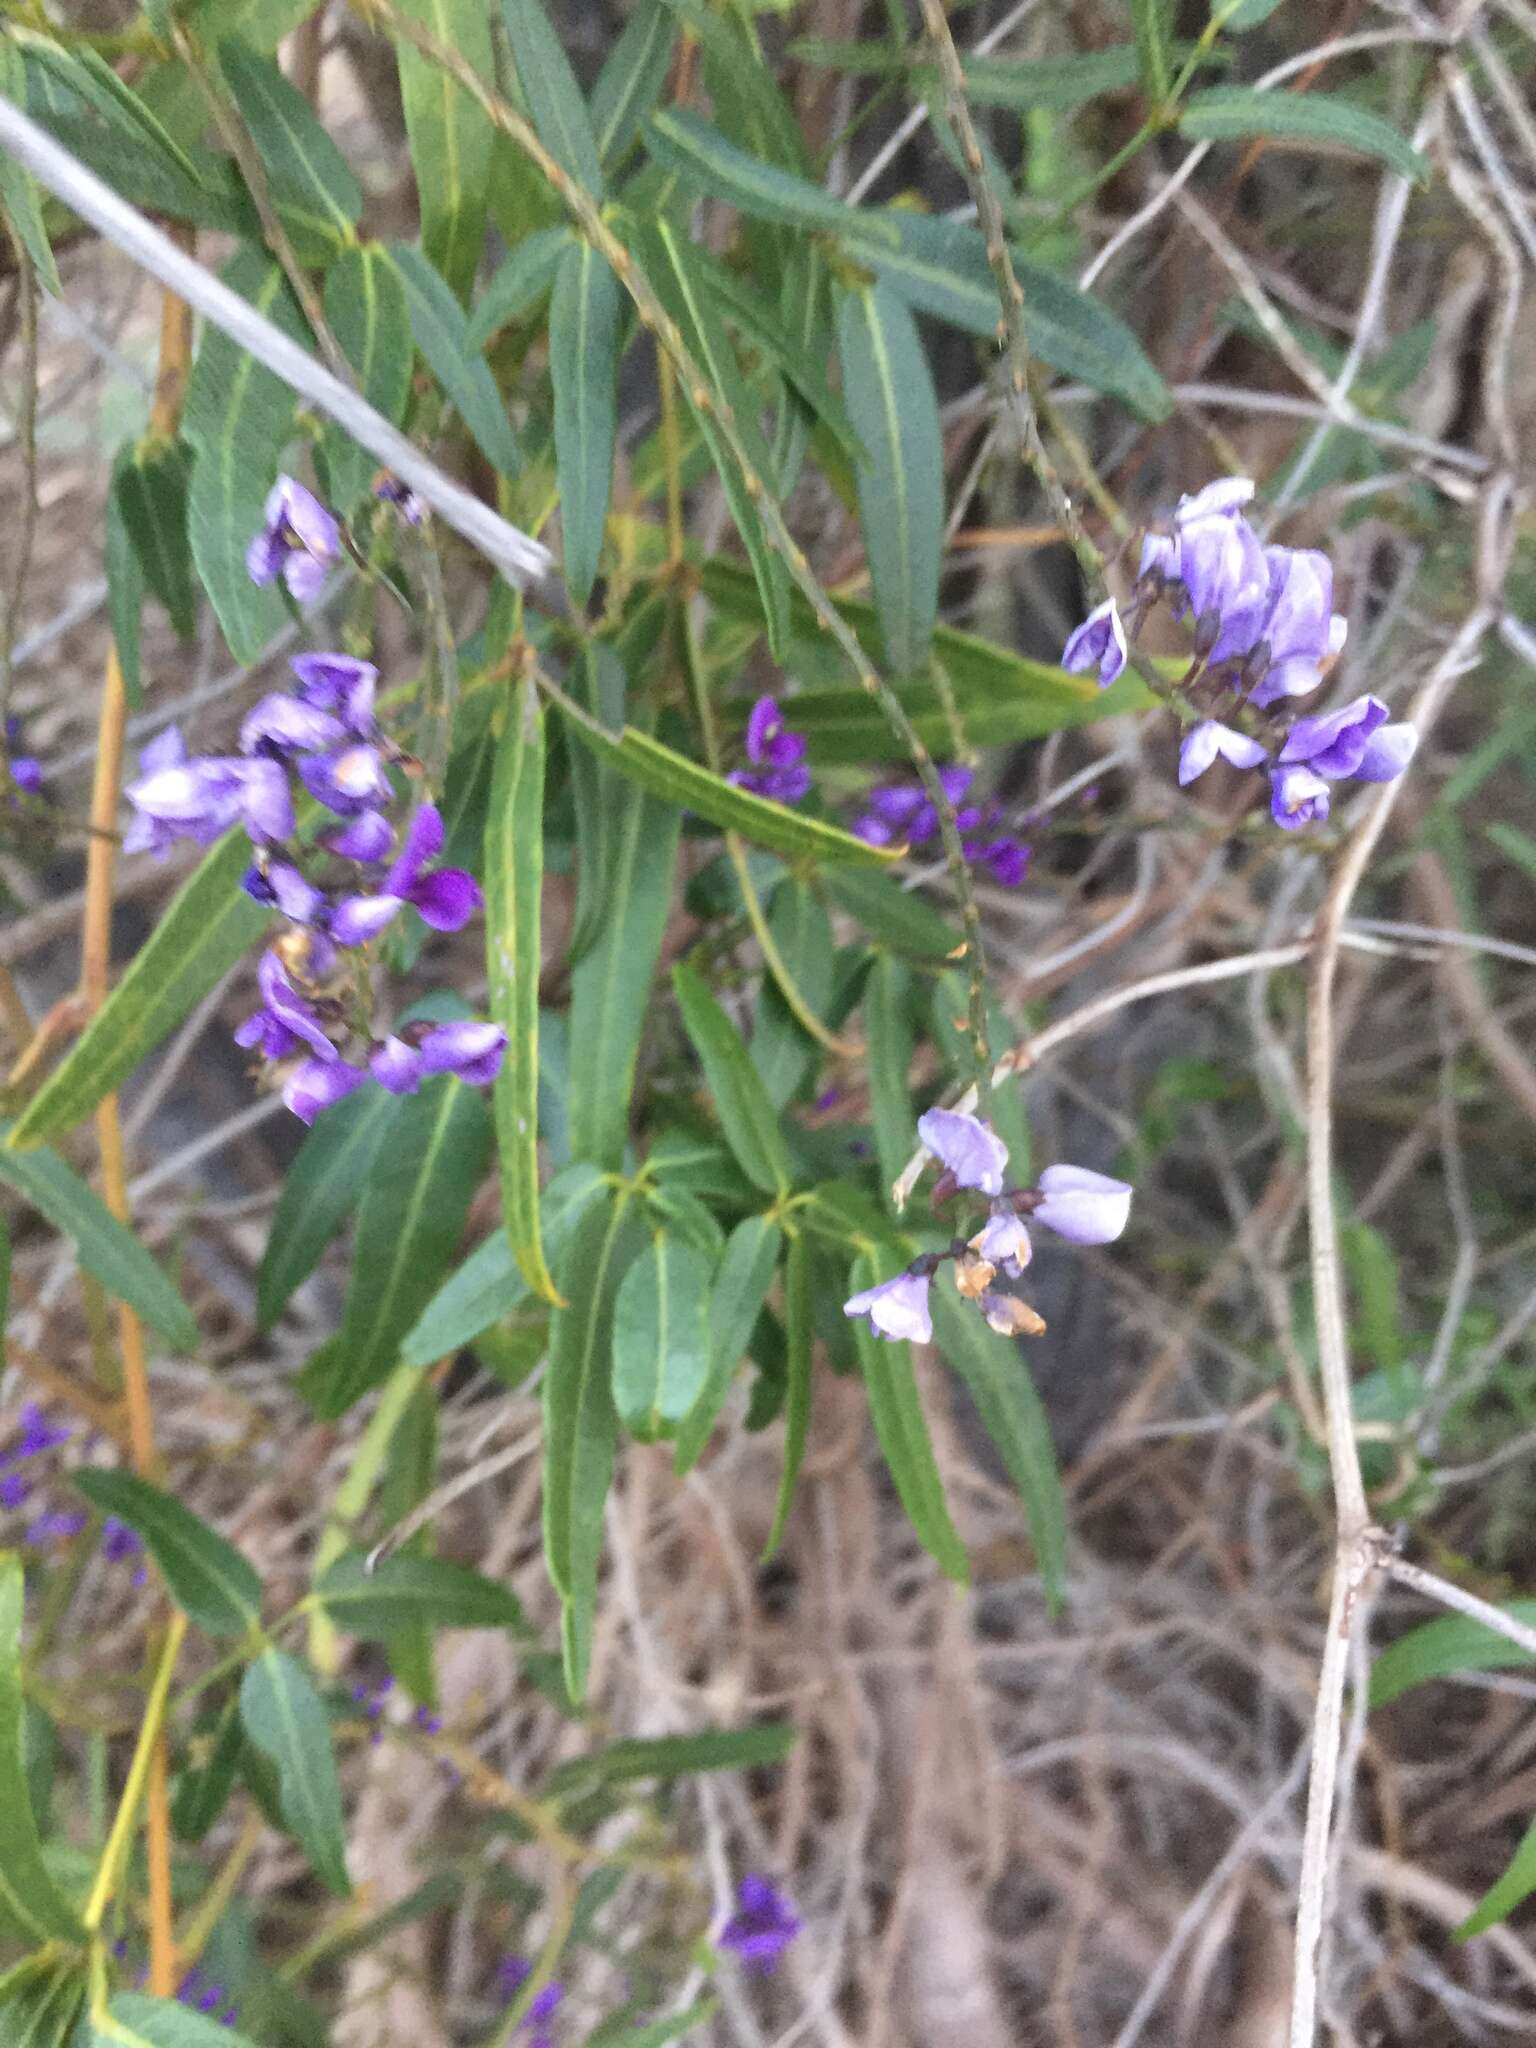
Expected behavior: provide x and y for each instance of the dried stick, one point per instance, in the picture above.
(1433, 1587)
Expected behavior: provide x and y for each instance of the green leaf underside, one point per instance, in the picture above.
(549, 86)
(302, 162)
(742, 1280)
(442, 335)
(206, 929)
(630, 82)
(748, 1119)
(366, 306)
(150, 490)
(661, 1337)
(410, 1587)
(285, 1718)
(1225, 112)
(27, 1892)
(584, 360)
(523, 279)
(209, 1580)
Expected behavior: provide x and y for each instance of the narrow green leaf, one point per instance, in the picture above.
(203, 1788)
(998, 1379)
(555, 105)
(1454, 1642)
(888, 1026)
(1153, 23)
(1511, 1890)
(579, 1419)
(125, 590)
(41, 2001)
(523, 279)
(410, 1587)
(630, 82)
(1515, 845)
(408, 1226)
(514, 881)
(795, 358)
(600, 682)
(660, 1337)
(611, 983)
(90, 79)
(674, 1756)
(366, 306)
(238, 418)
(303, 163)
(320, 1189)
(442, 335)
(209, 1580)
(894, 915)
(207, 928)
(895, 414)
(584, 364)
(490, 1284)
(19, 196)
(451, 137)
(697, 151)
(748, 1119)
(1226, 112)
(903, 1432)
(745, 1274)
(799, 1333)
(283, 1715)
(150, 487)
(27, 1892)
(781, 1049)
(134, 2020)
(665, 773)
(105, 1246)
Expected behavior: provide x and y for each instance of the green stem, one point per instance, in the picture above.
(115, 1854)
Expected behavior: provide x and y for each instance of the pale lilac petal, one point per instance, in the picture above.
(340, 683)
(282, 886)
(1387, 753)
(1159, 556)
(1225, 495)
(316, 1084)
(347, 782)
(1301, 604)
(264, 557)
(447, 898)
(1334, 745)
(284, 721)
(266, 801)
(1197, 750)
(367, 839)
(166, 750)
(1082, 1206)
(304, 576)
(1099, 642)
(896, 1308)
(1004, 1243)
(358, 920)
(396, 1066)
(1295, 678)
(973, 1153)
(1297, 797)
(469, 1047)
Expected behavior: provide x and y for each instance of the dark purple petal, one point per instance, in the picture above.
(1009, 861)
(265, 557)
(764, 1923)
(763, 725)
(349, 781)
(1098, 643)
(367, 839)
(544, 2005)
(340, 683)
(423, 842)
(283, 1003)
(447, 898)
(955, 780)
(317, 1084)
(470, 1048)
(895, 803)
(396, 1066)
(26, 773)
(1334, 745)
(358, 920)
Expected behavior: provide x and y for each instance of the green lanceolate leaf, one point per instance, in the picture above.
(549, 86)
(19, 195)
(150, 488)
(894, 915)
(666, 773)
(408, 1226)
(888, 1026)
(366, 306)
(579, 1419)
(451, 138)
(747, 1117)
(283, 1715)
(630, 82)
(41, 2001)
(205, 1782)
(1453, 1643)
(903, 1432)
(674, 1756)
(602, 686)
(994, 1371)
(895, 414)
(27, 1892)
(1511, 1890)
(1153, 22)
(745, 1274)
(697, 151)
(490, 1284)
(660, 1337)
(799, 1331)
(125, 589)
(611, 983)
(322, 1187)
(584, 363)
(238, 418)
(442, 335)
(209, 1580)
(304, 165)
(209, 925)
(792, 354)
(411, 1588)
(781, 1050)
(105, 1246)
(523, 279)
(1225, 112)
(133, 2020)
(514, 881)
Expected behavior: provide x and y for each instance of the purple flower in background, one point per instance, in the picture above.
(1334, 745)
(901, 810)
(970, 1149)
(896, 1308)
(1099, 642)
(777, 756)
(761, 1928)
(512, 1973)
(1204, 742)
(204, 1996)
(402, 497)
(342, 684)
(1082, 1206)
(446, 898)
(299, 541)
(37, 1434)
(26, 773)
(285, 1020)
(55, 1528)
(1007, 858)
(1297, 797)
(316, 1084)
(349, 781)
(1004, 1243)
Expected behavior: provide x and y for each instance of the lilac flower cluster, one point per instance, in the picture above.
(24, 1489)
(324, 732)
(903, 810)
(299, 542)
(1082, 1206)
(776, 757)
(511, 1976)
(26, 770)
(761, 1928)
(1264, 630)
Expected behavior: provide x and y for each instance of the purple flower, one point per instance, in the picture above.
(368, 838)
(1297, 797)
(447, 898)
(1099, 642)
(299, 540)
(55, 1528)
(119, 1542)
(1222, 566)
(762, 1927)
(970, 1149)
(1301, 629)
(38, 1434)
(402, 497)
(285, 1020)
(1224, 495)
(1387, 753)
(26, 773)
(470, 1048)
(177, 797)
(1160, 557)
(283, 724)
(1082, 1206)
(342, 684)
(901, 810)
(896, 1308)
(1203, 742)
(316, 1084)
(776, 754)
(1334, 745)
(279, 885)
(1004, 1243)
(396, 1066)
(1007, 858)
(512, 1973)
(544, 2005)
(349, 781)
(14, 1489)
